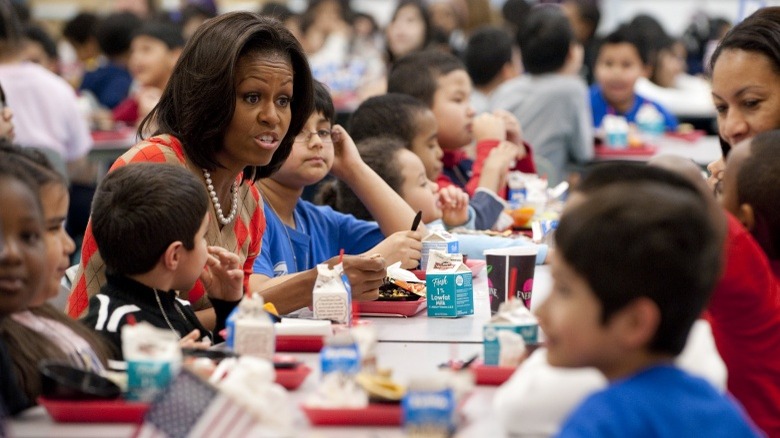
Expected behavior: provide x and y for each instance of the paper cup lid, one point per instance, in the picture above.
(514, 250)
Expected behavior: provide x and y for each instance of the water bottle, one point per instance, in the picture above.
(651, 124)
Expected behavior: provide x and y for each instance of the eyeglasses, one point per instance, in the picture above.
(323, 134)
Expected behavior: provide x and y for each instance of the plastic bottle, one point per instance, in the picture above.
(616, 129)
(650, 122)
(428, 407)
(340, 355)
(250, 329)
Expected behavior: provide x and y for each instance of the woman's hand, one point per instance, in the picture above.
(403, 246)
(346, 155)
(222, 276)
(365, 274)
(454, 205)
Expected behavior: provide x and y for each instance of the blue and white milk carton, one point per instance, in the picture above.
(512, 316)
(449, 287)
(438, 240)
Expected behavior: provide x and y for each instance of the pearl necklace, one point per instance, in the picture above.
(215, 200)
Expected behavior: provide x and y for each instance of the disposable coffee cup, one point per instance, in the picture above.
(499, 269)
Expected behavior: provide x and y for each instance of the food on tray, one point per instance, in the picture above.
(400, 290)
(381, 387)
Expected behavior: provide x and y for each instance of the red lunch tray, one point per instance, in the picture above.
(644, 151)
(491, 375)
(393, 308)
(376, 414)
(298, 343)
(95, 411)
(692, 136)
(293, 377)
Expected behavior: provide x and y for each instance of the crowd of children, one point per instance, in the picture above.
(238, 115)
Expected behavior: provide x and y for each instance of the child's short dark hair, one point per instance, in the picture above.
(379, 153)
(625, 34)
(323, 102)
(670, 253)
(545, 40)
(488, 50)
(36, 33)
(115, 32)
(169, 33)
(391, 114)
(81, 28)
(758, 184)
(140, 209)
(417, 74)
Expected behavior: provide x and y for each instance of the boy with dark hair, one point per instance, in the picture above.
(81, 32)
(628, 312)
(110, 82)
(154, 246)
(551, 100)
(440, 80)
(154, 50)
(584, 16)
(624, 56)
(491, 59)
(751, 191)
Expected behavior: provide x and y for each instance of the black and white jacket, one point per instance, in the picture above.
(122, 296)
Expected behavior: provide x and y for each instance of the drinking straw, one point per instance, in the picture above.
(512, 283)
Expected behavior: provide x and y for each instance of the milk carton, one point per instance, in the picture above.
(331, 297)
(438, 240)
(512, 316)
(448, 282)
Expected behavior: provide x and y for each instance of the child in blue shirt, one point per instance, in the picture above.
(627, 310)
(446, 208)
(299, 235)
(623, 57)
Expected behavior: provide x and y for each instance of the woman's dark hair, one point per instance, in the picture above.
(391, 58)
(760, 33)
(380, 154)
(391, 114)
(198, 103)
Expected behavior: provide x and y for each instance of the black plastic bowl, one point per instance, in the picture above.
(65, 382)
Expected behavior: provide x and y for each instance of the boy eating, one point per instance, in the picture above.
(150, 234)
(623, 57)
(627, 312)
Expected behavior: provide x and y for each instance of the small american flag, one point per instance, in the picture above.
(191, 407)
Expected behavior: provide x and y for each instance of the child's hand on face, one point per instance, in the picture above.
(454, 205)
(501, 157)
(191, 341)
(514, 132)
(222, 276)
(346, 155)
(402, 246)
(488, 126)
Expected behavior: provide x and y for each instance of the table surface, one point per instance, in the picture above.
(702, 151)
(413, 346)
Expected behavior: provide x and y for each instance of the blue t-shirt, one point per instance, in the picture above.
(601, 108)
(661, 401)
(319, 235)
(109, 83)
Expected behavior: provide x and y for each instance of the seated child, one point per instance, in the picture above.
(622, 58)
(440, 80)
(41, 331)
(551, 100)
(609, 309)
(154, 50)
(409, 119)
(538, 396)
(152, 248)
(491, 58)
(22, 252)
(299, 235)
(110, 82)
(745, 307)
(405, 173)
